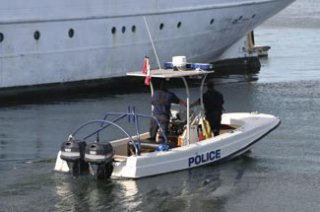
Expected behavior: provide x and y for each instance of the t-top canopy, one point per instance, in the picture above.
(170, 73)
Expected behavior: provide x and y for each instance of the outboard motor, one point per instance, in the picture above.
(72, 151)
(100, 156)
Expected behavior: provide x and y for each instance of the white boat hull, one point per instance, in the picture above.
(202, 32)
(223, 147)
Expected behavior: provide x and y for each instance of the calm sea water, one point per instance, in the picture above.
(281, 174)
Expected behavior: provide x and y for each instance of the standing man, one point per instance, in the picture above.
(161, 101)
(213, 106)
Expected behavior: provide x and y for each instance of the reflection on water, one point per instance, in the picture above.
(204, 188)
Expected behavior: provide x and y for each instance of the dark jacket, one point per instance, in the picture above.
(161, 101)
(213, 101)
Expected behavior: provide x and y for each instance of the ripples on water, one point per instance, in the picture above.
(281, 174)
(302, 14)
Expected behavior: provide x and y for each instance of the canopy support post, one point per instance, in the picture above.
(201, 91)
(188, 108)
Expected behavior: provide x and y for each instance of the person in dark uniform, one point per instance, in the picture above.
(213, 106)
(161, 101)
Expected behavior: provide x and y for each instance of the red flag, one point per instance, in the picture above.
(146, 70)
(145, 65)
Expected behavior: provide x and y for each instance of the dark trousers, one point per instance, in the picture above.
(214, 119)
(164, 123)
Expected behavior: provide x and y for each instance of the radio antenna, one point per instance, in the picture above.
(151, 40)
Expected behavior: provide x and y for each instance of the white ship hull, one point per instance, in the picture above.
(110, 37)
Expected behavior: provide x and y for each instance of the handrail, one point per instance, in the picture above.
(134, 116)
(104, 123)
(109, 123)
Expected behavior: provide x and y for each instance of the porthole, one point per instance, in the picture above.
(133, 28)
(123, 30)
(113, 30)
(161, 26)
(36, 35)
(71, 33)
(212, 21)
(179, 24)
(1, 37)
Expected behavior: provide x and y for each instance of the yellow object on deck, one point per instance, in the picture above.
(207, 133)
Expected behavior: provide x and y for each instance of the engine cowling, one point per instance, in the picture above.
(72, 152)
(100, 157)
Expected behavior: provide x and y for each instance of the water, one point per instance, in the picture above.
(281, 174)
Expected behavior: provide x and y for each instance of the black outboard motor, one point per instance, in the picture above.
(72, 151)
(100, 156)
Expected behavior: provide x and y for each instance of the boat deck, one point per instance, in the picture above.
(148, 146)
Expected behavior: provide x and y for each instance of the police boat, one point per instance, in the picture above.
(189, 144)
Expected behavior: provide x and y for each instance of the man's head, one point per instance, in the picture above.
(210, 84)
(163, 85)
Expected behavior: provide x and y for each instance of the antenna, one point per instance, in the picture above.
(151, 40)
